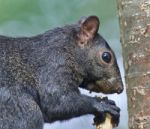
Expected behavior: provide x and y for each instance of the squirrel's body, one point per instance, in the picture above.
(40, 76)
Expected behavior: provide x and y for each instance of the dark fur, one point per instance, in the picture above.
(39, 79)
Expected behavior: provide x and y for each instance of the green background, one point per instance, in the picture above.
(30, 17)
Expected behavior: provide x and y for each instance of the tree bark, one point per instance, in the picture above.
(134, 18)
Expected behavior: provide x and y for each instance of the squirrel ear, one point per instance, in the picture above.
(88, 28)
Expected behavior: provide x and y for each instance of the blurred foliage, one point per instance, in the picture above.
(18, 9)
(29, 17)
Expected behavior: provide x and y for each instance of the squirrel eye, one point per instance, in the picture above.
(106, 56)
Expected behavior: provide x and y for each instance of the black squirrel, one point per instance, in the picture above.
(40, 76)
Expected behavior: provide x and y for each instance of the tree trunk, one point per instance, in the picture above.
(135, 38)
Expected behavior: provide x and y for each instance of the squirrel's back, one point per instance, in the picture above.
(21, 59)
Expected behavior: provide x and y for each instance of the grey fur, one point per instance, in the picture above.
(40, 76)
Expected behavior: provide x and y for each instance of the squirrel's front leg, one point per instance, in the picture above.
(74, 104)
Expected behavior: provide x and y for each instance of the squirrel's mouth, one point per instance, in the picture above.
(105, 86)
(101, 86)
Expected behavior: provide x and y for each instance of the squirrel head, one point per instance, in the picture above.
(96, 58)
